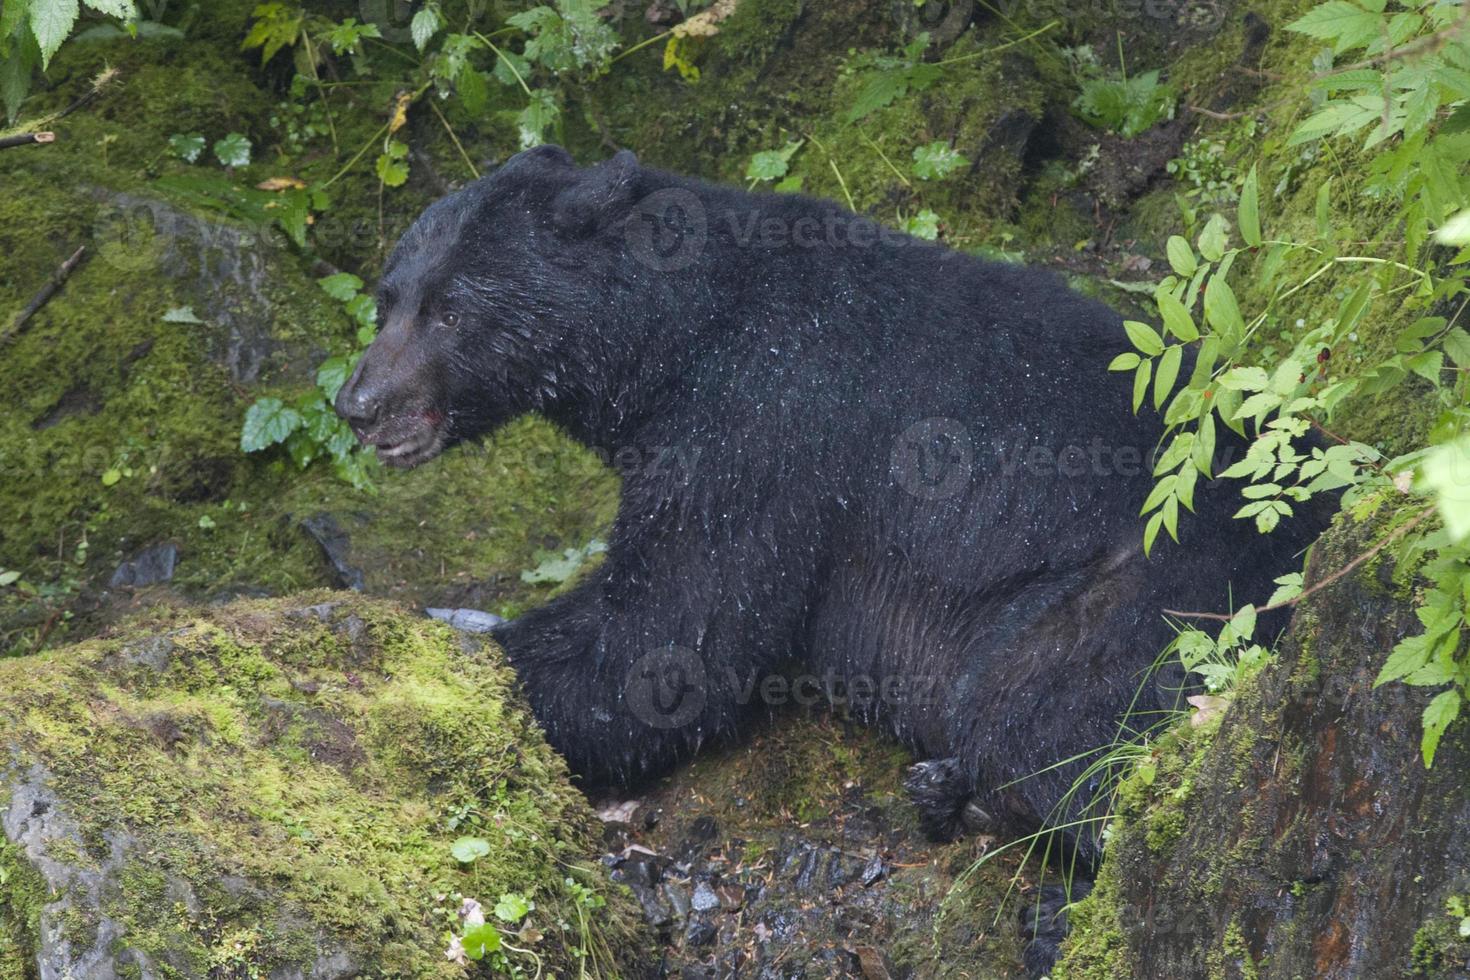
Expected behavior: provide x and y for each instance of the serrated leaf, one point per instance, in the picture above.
(121, 9)
(937, 160)
(332, 375)
(267, 423)
(232, 150)
(343, 286)
(1346, 25)
(51, 22)
(1438, 715)
(424, 26)
(186, 146)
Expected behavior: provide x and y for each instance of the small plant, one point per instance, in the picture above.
(555, 569)
(937, 160)
(309, 428)
(1205, 173)
(775, 165)
(1123, 105)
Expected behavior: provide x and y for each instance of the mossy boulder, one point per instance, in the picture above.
(1305, 838)
(268, 789)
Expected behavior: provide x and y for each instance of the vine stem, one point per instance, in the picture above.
(998, 48)
(1347, 569)
(508, 63)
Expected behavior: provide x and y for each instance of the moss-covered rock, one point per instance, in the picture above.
(1313, 842)
(269, 789)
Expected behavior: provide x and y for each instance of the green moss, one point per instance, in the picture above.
(283, 784)
(22, 893)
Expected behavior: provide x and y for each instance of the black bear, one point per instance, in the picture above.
(899, 467)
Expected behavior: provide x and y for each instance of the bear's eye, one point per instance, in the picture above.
(450, 319)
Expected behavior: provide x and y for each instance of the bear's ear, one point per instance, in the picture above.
(599, 196)
(547, 156)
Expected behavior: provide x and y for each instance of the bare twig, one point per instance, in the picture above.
(45, 293)
(26, 139)
(1347, 569)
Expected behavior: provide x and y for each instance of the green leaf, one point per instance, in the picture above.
(1167, 373)
(267, 423)
(539, 115)
(181, 314)
(424, 26)
(233, 150)
(1176, 317)
(1346, 25)
(1140, 384)
(513, 907)
(186, 146)
(342, 286)
(1144, 337)
(1126, 361)
(1249, 215)
(1245, 379)
(474, 92)
(772, 164)
(937, 160)
(9, 578)
(1212, 240)
(121, 9)
(480, 941)
(1222, 311)
(923, 225)
(1438, 714)
(1181, 256)
(1151, 531)
(332, 375)
(1446, 472)
(392, 166)
(51, 22)
(467, 850)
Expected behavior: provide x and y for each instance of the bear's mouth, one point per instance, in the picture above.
(405, 450)
(418, 448)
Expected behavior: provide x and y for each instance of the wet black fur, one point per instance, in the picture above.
(788, 374)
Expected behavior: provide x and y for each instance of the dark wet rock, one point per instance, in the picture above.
(151, 566)
(873, 871)
(466, 620)
(700, 932)
(336, 549)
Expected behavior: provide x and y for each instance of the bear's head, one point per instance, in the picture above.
(486, 308)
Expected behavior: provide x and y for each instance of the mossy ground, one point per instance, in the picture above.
(284, 775)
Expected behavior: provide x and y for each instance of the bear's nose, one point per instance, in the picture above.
(359, 404)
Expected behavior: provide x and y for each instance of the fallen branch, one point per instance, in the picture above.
(26, 139)
(46, 292)
(1347, 569)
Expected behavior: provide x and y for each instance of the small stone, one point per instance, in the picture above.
(151, 566)
(705, 898)
(466, 620)
(874, 872)
(336, 548)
